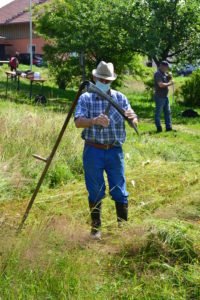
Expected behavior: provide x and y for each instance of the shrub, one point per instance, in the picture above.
(190, 90)
(149, 85)
(60, 174)
(63, 67)
(138, 69)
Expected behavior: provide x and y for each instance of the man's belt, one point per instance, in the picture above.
(100, 146)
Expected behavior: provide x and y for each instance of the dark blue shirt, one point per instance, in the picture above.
(159, 76)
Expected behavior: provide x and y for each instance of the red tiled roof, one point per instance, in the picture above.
(16, 11)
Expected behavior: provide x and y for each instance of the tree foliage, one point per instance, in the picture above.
(87, 26)
(163, 29)
(114, 30)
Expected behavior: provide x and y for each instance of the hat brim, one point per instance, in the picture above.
(112, 78)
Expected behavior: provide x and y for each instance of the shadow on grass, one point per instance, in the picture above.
(57, 100)
(145, 109)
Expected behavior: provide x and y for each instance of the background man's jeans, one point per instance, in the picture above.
(162, 104)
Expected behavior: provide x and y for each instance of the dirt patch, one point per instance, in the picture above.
(127, 240)
(167, 212)
(73, 234)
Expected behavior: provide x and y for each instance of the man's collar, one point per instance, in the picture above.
(164, 73)
(110, 93)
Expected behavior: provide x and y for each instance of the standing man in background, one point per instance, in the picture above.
(162, 81)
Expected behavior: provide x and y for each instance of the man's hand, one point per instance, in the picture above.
(131, 115)
(101, 120)
(169, 75)
(164, 85)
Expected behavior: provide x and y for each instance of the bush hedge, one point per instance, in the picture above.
(190, 90)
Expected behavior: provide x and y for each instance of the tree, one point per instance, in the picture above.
(163, 29)
(114, 30)
(82, 27)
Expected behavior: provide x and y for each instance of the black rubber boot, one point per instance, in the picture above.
(159, 129)
(122, 212)
(95, 212)
(169, 129)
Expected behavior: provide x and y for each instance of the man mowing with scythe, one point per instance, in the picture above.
(104, 133)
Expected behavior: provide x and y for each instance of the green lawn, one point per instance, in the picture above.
(155, 256)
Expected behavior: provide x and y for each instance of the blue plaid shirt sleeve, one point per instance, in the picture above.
(81, 108)
(126, 104)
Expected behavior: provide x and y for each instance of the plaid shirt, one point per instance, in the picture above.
(91, 106)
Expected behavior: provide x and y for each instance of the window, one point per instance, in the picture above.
(33, 49)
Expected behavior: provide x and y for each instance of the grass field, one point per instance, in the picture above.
(154, 257)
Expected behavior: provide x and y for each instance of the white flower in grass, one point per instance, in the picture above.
(133, 183)
(147, 162)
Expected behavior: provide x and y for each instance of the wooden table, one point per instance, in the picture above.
(13, 75)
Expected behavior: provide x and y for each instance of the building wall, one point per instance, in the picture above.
(18, 36)
(15, 31)
(22, 46)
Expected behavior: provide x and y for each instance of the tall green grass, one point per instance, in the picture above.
(155, 256)
(26, 130)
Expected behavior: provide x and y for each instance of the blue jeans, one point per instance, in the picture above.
(95, 162)
(162, 104)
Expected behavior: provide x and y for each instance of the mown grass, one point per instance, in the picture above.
(155, 256)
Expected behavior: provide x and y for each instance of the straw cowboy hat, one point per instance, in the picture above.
(105, 71)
